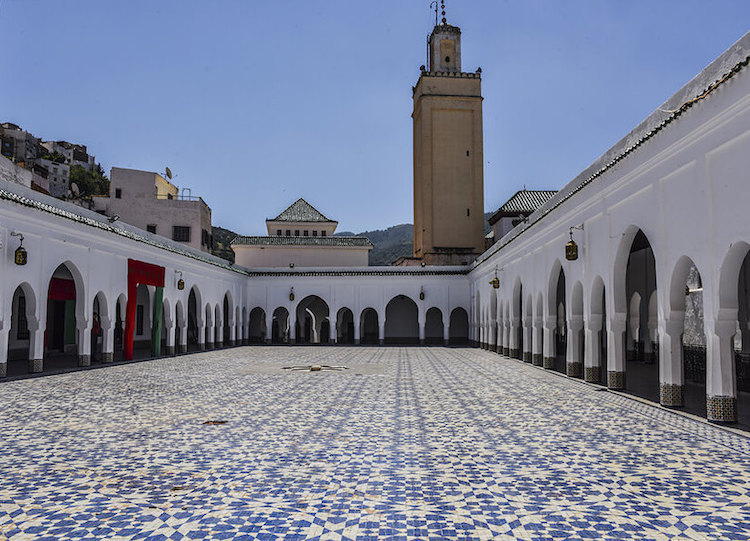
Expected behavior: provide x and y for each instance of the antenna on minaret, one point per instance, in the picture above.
(442, 7)
(435, 5)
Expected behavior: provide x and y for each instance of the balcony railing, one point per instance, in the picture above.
(179, 197)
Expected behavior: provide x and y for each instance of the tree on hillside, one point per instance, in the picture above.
(89, 182)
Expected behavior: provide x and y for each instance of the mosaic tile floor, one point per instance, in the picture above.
(408, 443)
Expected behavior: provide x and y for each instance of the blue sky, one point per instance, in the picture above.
(253, 104)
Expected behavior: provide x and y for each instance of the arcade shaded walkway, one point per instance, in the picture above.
(412, 442)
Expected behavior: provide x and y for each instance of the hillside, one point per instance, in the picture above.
(389, 244)
(222, 239)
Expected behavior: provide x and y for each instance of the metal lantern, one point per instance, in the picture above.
(291, 294)
(571, 250)
(421, 294)
(495, 283)
(180, 284)
(21, 256)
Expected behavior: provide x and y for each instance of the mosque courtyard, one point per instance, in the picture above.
(405, 443)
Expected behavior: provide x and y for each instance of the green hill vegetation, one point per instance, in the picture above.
(222, 239)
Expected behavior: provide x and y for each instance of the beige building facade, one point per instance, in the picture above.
(448, 150)
(147, 200)
(301, 236)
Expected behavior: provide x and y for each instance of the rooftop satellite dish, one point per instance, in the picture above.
(169, 173)
(74, 189)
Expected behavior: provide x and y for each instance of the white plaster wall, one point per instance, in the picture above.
(687, 188)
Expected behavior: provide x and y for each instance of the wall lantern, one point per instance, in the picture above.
(180, 282)
(495, 282)
(421, 293)
(21, 256)
(291, 294)
(571, 248)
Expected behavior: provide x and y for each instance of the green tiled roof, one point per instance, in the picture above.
(523, 202)
(301, 211)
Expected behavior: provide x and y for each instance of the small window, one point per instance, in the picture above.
(278, 232)
(296, 232)
(315, 233)
(447, 59)
(306, 233)
(151, 228)
(323, 233)
(288, 233)
(118, 193)
(467, 152)
(468, 212)
(181, 233)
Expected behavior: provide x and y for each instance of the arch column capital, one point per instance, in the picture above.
(618, 322)
(594, 322)
(575, 322)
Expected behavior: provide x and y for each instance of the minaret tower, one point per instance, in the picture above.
(448, 150)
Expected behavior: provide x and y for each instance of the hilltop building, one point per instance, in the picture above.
(48, 160)
(301, 236)
(147, 200)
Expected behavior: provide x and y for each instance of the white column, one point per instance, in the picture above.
(108, 339)
(548, 361)
(3, 349)
(592, 356)
(183, 338)
(527, 334)
(536, 341)
(83, 334)
(357, 330)
(506, 337)
(671, 378)
(202, 336)
(574, 365)
(267, 322)
(721, 378)
(616, 351)
(169, 327)
(332, 335)
(492, 335)
(293, 327)
(210, 330)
